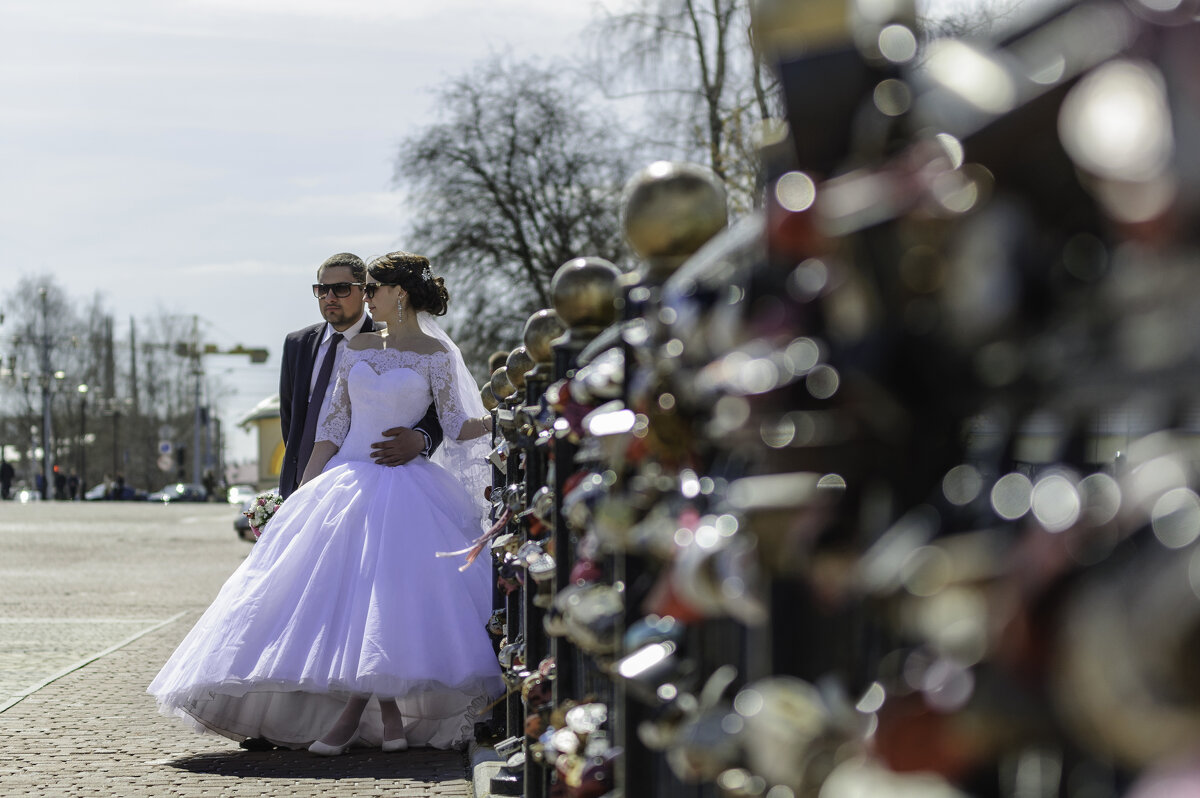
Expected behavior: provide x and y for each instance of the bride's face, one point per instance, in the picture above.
(381, 298)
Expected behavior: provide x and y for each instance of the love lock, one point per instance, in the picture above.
(577, 505)
(509, 577)
(601, 379)
(660, 729)
(513, 679)
(586, 719)
(535, 690)
(542, 568)
(569, 768)
(592, 617)
(612, 519)
(596, 778)
(512, 656)
(611, 427)
(791, 734)
(514, 498)
(585, 570)
(654, 534)
(505, 545)
(787, 513)
(497, 622)
(718, 572)
(499, 457)
(543, 597)
(654, 669)
(558, 742)
(707, 741)
(541, 506)
(535, 725)
(507, 747)
(653, 629)
(539, 564)
(553, 622)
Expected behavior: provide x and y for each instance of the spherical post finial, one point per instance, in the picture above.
(670, 210)
(540, 331)
(584, 291)
(518, 364)
(490, 402)
(502, 386)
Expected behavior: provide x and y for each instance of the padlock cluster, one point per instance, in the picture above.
(891, 487)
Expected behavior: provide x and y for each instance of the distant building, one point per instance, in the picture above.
(264, 418)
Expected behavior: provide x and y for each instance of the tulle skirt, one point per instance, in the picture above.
(343, 596)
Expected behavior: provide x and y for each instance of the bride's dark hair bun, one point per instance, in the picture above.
(412, 273)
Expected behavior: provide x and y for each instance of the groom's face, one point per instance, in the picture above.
(341, 312)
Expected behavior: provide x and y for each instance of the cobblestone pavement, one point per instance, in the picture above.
(93, 598)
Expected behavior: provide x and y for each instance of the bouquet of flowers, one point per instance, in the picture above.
(262, 507)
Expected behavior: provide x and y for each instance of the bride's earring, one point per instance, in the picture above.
(399, 310)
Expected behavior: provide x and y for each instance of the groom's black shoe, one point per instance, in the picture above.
(257, 744)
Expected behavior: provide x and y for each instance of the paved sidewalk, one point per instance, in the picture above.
(95, 731)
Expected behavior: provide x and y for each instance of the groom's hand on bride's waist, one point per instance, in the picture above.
(400, 445)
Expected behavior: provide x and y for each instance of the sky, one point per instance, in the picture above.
(203, 157)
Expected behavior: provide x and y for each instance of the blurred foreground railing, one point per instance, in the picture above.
(891, 488)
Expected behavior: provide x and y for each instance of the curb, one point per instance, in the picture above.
(484, 763)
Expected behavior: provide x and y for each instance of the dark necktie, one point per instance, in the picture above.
(314, 405)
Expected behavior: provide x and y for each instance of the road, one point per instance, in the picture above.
(93, 598)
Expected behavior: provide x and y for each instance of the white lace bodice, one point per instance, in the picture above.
(378, 389)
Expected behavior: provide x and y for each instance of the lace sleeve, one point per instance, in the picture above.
(335, 419)
(452, 399)
(451, 414)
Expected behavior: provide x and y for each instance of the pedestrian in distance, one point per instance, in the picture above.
(7, 474)
(60, 484)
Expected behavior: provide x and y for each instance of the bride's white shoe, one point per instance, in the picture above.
(325, 749)
(399, 744)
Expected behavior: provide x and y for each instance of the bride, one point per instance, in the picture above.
(342, 627)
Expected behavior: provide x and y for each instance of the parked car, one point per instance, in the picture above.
(101, 493)
(237, 494)
(241, 524)
(180, 492)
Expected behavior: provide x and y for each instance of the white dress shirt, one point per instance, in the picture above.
(347, 334)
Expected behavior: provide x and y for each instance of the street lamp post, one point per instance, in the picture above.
(113, 407)
(47, 455)
(83, 483)
(116, 446)
(197, 426)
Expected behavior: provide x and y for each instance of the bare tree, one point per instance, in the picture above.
(975, 20)
(518, 175)
(707, 93)
(133, 391)
(48, 345)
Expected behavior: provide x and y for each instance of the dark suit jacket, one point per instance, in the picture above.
(295, 375)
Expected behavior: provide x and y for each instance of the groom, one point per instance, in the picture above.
(305, 382)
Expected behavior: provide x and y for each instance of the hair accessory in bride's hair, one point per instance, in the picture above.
(426, 273)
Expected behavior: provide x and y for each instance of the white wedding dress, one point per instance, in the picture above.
(343, 594)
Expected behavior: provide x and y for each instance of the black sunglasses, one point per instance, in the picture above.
(340, 290)
(369, 289)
